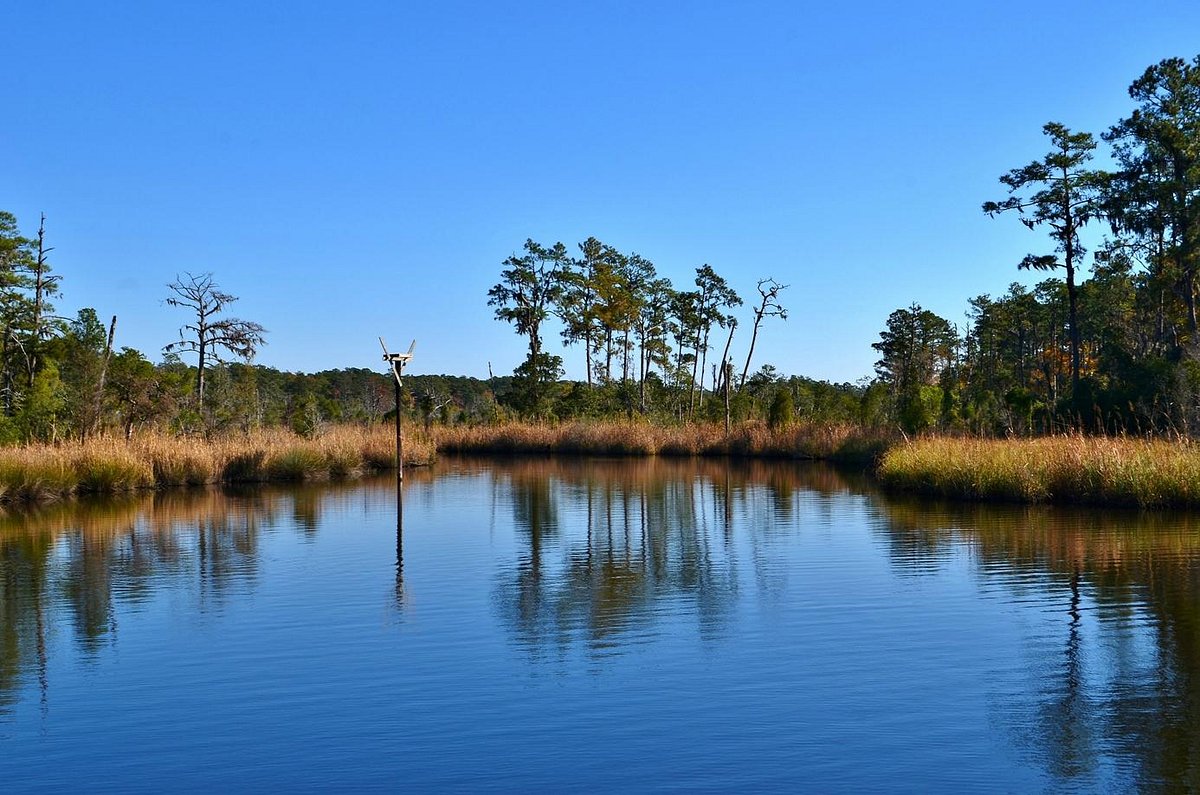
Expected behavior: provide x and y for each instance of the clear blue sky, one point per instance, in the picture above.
(362, 168)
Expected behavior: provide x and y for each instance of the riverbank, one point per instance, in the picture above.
(840, 443)
(1060, 469)
(1063, 469)
(106, 465)
(1067, 469)
(42, 472)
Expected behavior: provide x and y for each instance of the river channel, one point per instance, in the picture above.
(583, 625)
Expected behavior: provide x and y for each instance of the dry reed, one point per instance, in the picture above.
(1083, 469)
(1080, 469)
(754, 440)
(106, 465)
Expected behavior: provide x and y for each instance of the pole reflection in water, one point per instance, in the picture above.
(399, 541)
(810, 633)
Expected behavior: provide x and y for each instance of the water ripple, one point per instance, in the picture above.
(550, 625)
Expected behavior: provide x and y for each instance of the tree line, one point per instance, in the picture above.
(1117, 350)
(1110, 342)
(64, 378)
(1113, 344)
(645, 344)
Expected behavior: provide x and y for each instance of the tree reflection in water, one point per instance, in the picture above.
(607, 550)
(1113, 691)
(1123, 691)
(68, 563)
(607, 544)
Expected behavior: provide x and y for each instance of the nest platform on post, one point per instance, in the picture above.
(398, 360)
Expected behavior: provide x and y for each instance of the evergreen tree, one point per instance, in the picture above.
(530, 286)
(1065, 196)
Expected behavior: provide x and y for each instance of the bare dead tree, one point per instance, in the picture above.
(209, 335)
(769, 289)
(430, 403)
(43, 284)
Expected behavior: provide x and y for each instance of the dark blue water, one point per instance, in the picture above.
(559, 625)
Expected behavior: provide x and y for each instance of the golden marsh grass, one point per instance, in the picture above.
(109, 465)
(755, 440)
(1083, 469)
(1080, 469)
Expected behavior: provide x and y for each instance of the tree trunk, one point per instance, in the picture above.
(695, 368)
(643, 368)
(673, 377)
(200, 374)
(753, 339)
(608, 354)
(38, 299)
(727, 378)
(98, 400)
(1073, 325)
(625, 357)
(1072, 301)
(587, 344)
(725, 355)
(5, 374)
(1189, 297)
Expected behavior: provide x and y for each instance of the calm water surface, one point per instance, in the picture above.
(586, 625)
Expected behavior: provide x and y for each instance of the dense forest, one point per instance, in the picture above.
(1114, 351)
(1110, 342)
(63, 378)
(1117, 350)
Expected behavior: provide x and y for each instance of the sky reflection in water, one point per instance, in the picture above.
(550, 623)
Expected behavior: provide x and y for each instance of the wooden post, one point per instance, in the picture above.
(399, 437)
(397, 361)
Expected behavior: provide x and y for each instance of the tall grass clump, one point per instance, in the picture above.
(295, 463)
(377, 447)
(342, 458)
(810, 441)
(508, 438)
(246, 466)
(1079, 469)
(108, 467)
(574, 438)
(28, 475)
(756, 440)
(610, 438)
(41, 472)
(177, 461)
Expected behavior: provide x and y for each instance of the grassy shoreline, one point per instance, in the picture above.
(841, 443)
(104, 465)
(1065, 469)
(1074, 469)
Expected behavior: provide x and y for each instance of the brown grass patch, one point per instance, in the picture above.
(108, 465)
(753, 440)
(1083, 469)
